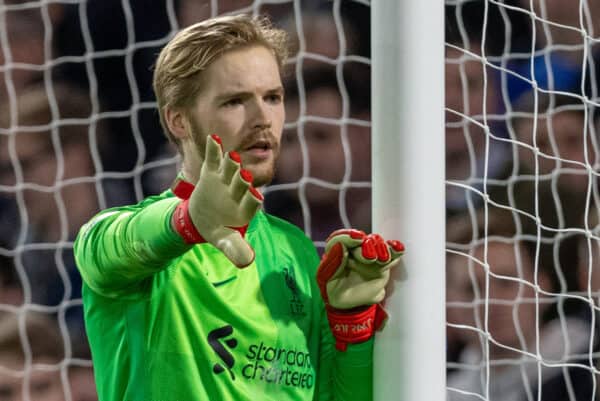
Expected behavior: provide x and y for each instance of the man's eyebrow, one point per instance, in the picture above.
(278, 89)
(233, 94)
(243, 94)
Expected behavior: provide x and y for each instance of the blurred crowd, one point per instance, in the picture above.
(522, 263)
(79, 132)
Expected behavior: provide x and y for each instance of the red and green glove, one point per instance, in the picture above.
(221, 205)
(352, 277)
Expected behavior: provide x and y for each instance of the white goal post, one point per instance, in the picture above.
(115, 153)
(407, 49)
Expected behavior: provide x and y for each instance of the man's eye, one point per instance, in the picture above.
(233, 102)
(274, 98)
(40, 386)
(6, 392)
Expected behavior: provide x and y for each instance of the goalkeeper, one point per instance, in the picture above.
(197, 294)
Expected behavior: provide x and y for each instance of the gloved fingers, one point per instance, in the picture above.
(213, 153)
(240, 184)
(371, 271)
(234, 247)
(331, 266)
(230, 165)
(251, 202)
(392, 264)
(373, 250)
(350, 238)
(356, 293)
(345, 301)
(396, 248)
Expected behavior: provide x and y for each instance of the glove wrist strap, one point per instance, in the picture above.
(184, 225)
(354, 326)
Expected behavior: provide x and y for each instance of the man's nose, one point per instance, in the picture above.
(259, 114)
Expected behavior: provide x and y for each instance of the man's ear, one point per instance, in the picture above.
(177, 123)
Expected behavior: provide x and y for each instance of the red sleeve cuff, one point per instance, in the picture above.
(354, 327)
(184, 225)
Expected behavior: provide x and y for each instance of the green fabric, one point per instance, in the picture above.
(171, 322)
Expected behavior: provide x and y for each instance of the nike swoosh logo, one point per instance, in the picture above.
(220, 283)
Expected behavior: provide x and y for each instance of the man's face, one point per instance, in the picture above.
(242, 102)
(192, 11)
(326, 159)
(589, 265)
(468, 88)
(565, 17)
(459, 294)
(43, 386)
(511, 308)
(41, 166)
(38, 165)
(36, 157)
(565, 129)
(25, 42)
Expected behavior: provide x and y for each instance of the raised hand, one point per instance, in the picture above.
(223, 203)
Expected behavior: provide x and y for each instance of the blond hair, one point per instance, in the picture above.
(181, 62)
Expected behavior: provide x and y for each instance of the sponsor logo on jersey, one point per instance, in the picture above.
(214, 339)
(270, 364)
(278, 365)
(296, 304)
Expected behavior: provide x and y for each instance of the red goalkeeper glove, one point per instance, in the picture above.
(220, 206)
(352, 277)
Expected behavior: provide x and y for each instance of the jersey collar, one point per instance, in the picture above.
(181, 187)
(183, 190)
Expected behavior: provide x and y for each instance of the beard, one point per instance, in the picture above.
(262, 171)
(263, 174)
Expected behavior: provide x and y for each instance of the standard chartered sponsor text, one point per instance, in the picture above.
(288, 367)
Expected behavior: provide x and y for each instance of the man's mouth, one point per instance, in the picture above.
(259, 145)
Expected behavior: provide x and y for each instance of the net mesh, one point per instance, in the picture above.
(522, 198)
(79, 132)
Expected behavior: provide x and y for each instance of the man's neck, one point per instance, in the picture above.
(189, 175)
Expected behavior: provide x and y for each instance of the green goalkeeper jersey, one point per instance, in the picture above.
(167, 321)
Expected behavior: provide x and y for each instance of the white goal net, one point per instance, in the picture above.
(79, 132)
(522, 199)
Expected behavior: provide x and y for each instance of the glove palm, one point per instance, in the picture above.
(223, 203)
